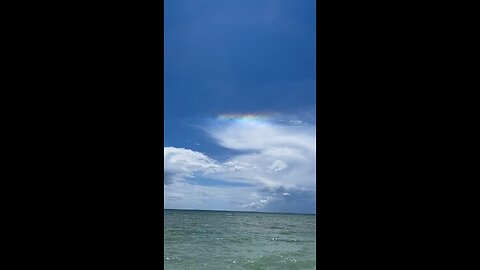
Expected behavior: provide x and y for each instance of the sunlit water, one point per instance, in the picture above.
(238, 240)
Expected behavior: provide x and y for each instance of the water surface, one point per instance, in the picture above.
(238, 240)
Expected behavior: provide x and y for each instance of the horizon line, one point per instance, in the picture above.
(241, 211)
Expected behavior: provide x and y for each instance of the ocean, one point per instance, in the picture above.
(238, 240)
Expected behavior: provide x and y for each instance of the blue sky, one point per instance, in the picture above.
(240, 105)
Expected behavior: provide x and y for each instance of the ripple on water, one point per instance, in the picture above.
(210, 240)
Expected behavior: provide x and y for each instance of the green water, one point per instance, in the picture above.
(238, 240)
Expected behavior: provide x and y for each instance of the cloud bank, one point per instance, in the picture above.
(274, 170)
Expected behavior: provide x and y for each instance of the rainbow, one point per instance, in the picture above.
(246, 116)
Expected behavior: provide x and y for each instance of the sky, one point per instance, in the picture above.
(239, 101)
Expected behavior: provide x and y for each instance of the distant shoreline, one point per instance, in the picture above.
(237, 211)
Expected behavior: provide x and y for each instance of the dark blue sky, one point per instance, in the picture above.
(238, 56)
(256, 60)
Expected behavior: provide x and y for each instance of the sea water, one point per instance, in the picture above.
(238, 240)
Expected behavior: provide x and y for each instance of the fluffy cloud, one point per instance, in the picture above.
(180, 163)
(277, 165)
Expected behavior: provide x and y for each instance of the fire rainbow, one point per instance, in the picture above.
(246, 116)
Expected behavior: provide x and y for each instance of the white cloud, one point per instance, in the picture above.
(180, 163)
(277, 158)
(184, 195)
(277, 166)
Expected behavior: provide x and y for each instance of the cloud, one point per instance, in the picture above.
(181, 163)
(277, 166)
(185, 195)
(277, 161)
(262, 135)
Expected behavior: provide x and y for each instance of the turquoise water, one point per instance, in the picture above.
(238, 240)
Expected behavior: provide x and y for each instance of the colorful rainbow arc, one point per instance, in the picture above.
(245, 116)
